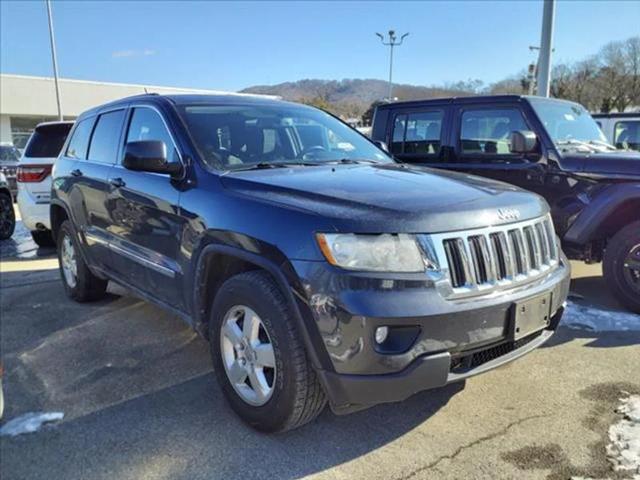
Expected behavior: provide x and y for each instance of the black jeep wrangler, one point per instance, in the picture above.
(551, 147)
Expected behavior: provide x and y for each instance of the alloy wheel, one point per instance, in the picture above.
(248, 355)
(69, 262)
(632, 268)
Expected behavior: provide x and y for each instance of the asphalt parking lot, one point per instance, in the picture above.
(140, 400)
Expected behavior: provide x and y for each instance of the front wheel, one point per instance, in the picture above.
(79, 283)
(621, 266)
(258, 355)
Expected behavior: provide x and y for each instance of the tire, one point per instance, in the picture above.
(43, 238)
(86, 287)
(622, 253)
(296, 395)
(7, 216)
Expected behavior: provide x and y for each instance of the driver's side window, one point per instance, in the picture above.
(146, 124)
(488, 131)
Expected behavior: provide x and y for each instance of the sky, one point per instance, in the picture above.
(233, 45)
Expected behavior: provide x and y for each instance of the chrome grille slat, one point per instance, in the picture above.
(483, 260)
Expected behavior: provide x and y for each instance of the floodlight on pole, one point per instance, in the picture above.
(54, 58)
(392, 42)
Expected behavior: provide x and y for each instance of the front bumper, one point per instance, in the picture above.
(453, 339)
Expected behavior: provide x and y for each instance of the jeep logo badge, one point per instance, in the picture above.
(508, 214)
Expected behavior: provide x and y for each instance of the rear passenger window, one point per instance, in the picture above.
(417, 133)
(489, 131)
(80, 140)
(106, 137)
(627, 135)
(146, 124)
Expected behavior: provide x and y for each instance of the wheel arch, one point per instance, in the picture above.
(612, 209)
(218, 262)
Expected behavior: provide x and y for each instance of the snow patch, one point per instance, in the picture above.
(580, 317)
(29, 423)
(624, 450)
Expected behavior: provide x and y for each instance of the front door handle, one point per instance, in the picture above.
(76, 173)
(117, 182)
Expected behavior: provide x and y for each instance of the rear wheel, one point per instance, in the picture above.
(42, 238)
(258, 356)
(79, 283)
(7, 216)
(622, 266)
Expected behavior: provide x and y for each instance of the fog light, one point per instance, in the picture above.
(381, 334)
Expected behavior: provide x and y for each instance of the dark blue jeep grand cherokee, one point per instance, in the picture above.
(316, 266)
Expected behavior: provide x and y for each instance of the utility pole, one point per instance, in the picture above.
(546, 46)
(53, 57)
(393, 42)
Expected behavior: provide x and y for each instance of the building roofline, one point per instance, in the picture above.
(141, 86)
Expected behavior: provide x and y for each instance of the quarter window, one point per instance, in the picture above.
(146, 124)
(106, 137)
(627, 135)
(489, 131)
(417, 133)
(80, 140)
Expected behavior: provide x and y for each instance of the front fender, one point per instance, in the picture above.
(284, 275)
(590, 220)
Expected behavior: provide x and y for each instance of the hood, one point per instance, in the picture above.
(388, 198)
(606, 164)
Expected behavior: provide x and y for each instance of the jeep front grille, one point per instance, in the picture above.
(504, 256)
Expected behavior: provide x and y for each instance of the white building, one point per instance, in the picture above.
(26, 101)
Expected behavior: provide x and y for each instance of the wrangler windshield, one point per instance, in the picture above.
(570, 126)
(258, 136)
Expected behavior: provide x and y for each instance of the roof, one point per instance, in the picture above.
(616, 115)
(468, 99)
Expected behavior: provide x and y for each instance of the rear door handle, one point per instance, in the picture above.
(117, 182)
(76, 173)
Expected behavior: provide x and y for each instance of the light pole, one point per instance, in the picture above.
(546, 47)
(55, 60)
(393, 42)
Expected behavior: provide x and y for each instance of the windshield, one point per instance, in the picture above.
(570, 125)
(250, 136)
(9, 153)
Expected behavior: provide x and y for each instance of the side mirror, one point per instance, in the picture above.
(381, 145)
(523, 141)
(149, 156)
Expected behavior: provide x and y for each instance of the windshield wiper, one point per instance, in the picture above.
(351, 161)
(603, 144)
(267, 165)
(577, 143)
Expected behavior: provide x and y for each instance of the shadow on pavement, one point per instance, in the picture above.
(187, 432)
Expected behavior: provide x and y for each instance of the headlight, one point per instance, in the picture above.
(374, 253)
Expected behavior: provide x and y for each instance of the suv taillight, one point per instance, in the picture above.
(33, 173)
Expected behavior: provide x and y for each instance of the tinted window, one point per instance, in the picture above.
(80, 140)
(397, 140)
(489, 131)
(106, 137)
(47, 141)
(417, 133)
(627, 135)
(146, 124)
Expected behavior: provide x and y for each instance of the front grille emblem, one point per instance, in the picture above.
(508, 214)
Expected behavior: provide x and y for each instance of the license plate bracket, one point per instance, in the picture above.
(530, 316)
